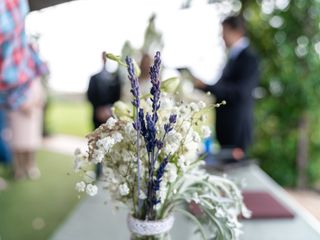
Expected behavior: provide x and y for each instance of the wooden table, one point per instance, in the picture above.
(93, 220)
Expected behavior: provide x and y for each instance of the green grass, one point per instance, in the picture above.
(69, 117)
(32, 210)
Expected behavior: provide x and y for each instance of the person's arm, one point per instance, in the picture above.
(92, 92)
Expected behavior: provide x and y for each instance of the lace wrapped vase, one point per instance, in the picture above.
(150, 230)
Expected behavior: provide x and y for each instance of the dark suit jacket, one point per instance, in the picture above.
(234, 121)
(104, 89)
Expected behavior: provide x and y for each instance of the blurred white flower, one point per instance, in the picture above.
(205, 131)
(195, 137)
(194, 107)
(91, 189)
(171, 172)
(130, 132)
(80, 186)
(123, 189)
(123, 169)
(142, 195)
(170, 148)
(98, 156)
(117, 137)
(182, 163)
(111, 122)
(167, 103)
(80, 160)
(202, 104)
(184, 111)
(185, 126)
(107, 143)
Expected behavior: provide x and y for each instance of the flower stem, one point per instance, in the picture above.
(138, 166)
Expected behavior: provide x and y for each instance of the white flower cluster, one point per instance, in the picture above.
(89, 188)
(114, 145)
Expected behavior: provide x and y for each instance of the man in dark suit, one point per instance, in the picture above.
(234, 121)
(104, 90)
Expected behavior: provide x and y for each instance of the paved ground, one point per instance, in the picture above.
(67, 144)
(64, 144)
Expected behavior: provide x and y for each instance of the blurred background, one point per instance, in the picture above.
(70, 37)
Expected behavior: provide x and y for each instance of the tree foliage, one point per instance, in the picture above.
(286, 35)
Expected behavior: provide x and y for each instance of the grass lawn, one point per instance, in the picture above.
(32, 210)
(69, 117)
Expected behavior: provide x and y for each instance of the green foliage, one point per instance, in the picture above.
(288, 41)
(32, 210)
(70, 117)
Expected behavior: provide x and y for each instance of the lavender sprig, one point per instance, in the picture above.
(143, 129)
(169, 126)
(150, 138)
(155, 89)
(137, 124)
(134, 83)
(151, 134)
(157, 181)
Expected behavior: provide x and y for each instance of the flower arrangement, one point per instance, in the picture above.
(150, 156)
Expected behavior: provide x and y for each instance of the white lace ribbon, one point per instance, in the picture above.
(148, 228)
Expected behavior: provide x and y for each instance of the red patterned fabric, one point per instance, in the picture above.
(19, 63)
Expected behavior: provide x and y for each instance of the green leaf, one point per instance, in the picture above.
(189, 215)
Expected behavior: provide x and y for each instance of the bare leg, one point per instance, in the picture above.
(18, 165)
(31, 167)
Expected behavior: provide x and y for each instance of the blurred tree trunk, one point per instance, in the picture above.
(302, 150)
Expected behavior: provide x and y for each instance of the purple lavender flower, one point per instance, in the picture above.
(137, 124)
(150, 134)
(173, 118)
(143, 129)
(169, 126)
(155, 89)
(134, 83)
(157, 181)
(159, 144)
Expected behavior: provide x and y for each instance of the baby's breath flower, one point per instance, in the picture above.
(124, 190)
(111, 122)
(206, 132)
(117, 137)
(107, 143)
(142, 195)
(91, 189)
(202, 104)
(80, 186)
(171, 172)
(194, 107)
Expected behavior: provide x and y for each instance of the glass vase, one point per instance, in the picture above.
(150, 230)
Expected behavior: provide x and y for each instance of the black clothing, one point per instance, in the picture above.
(234, 121)
(104, 89)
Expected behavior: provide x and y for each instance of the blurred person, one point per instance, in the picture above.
(234, 121)
(144, 78)
(20, 65)
(26, 129)
(104, 89)
(5, 151)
